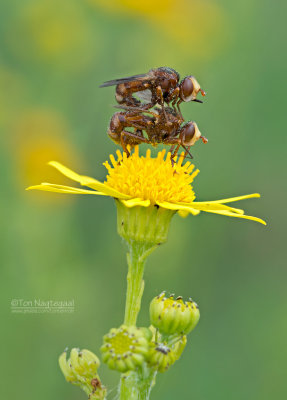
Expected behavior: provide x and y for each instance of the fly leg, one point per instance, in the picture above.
(173, 105)
(179, 112)
(175, 145)
(174, 154)
(132, 139)
(160, 100)
(170, 151)
(173, 97)
(140, 123)
(187, 152)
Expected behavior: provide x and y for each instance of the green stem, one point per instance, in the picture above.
(129, 389)
(146, 384)
(137, 386)
(132, 387)
(135, 283)
(144, 229)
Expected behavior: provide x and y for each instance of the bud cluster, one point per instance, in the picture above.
(81, 370)
(129, 348)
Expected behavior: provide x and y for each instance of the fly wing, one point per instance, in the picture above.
(154, 112)
(128, 108)
(124, 80)
(144, 95)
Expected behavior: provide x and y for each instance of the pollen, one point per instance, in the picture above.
(155, 179)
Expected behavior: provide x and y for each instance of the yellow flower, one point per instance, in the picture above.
(145, 181)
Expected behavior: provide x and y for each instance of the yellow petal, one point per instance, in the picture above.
(183, 213)
(136, 202)
(88, 181)
(172, 206)
(69, 173)
(50, 187)
(209, 205)
(230, 214)
(231, 199)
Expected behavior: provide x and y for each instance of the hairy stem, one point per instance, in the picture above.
(146, 383)
(133, 386)
(128, 388)
(137, 385)
(144, 229)
(135, 283)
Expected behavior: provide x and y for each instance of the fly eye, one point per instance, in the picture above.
(188, 133)
(186, 87)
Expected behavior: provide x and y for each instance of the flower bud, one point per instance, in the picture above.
(148, 334)
(173, 316)
(179, 347)
(125, 349)
(161, 356)
(81, 370)
(66, 367)
(85, 362)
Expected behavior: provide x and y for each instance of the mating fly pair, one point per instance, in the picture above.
(163, 124)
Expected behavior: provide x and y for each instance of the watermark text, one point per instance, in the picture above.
(39, 306)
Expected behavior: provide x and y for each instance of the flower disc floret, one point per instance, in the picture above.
(124, 349)
(153, 179)
(173, 316)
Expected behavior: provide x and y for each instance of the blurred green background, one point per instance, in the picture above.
(53, 56)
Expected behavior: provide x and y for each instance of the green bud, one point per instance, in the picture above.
(87, 363)
(81, 370)
(179, 347)
(66, 367)
(147, 333)
(173, 316)
(161, 356)
(125, 349)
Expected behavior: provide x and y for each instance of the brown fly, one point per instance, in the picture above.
(162, 125)
(158, 86)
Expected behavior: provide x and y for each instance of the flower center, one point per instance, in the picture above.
(154, 179)
(121, 343)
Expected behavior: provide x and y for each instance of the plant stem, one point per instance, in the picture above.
(146, 384)
(137, 386)
(133, 386)
(128, 388)
(138, 252)
(144, 229)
